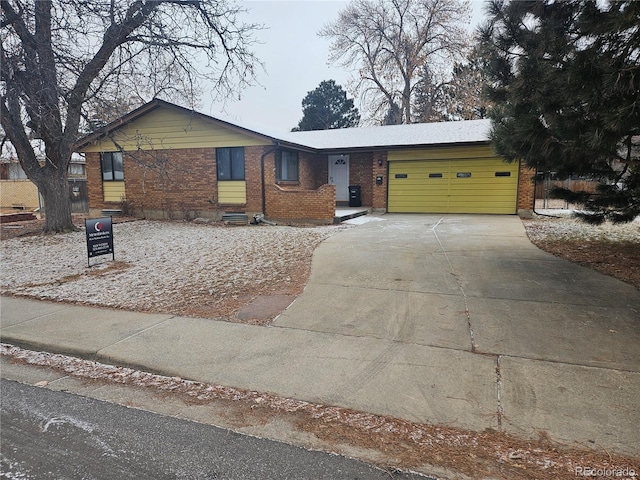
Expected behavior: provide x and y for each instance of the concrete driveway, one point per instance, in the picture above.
(542, 344)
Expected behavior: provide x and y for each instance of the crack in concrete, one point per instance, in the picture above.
(460, 287)
(98, 353)
(499, 392)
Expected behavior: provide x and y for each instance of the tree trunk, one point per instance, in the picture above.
(57, 204)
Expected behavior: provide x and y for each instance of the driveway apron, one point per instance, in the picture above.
(547, 341)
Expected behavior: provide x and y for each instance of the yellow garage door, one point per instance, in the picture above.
(451, 180)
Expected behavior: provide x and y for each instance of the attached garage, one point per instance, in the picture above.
(465, 179)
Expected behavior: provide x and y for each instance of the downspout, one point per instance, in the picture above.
(262, 157)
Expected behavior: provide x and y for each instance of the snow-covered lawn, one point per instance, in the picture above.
(210, 271)
(171, 267)
(611, 249)
(562, 226)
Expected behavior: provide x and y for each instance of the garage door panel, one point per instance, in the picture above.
(481, 188)
(457, 185)
(475, 209)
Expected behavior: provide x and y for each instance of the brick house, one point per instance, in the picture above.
(165, 161)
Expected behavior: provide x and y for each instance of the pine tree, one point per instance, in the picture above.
(565, 78)
(327, 107)
(464, 96)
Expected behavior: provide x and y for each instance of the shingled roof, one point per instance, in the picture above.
(360, 138)
(417, 134)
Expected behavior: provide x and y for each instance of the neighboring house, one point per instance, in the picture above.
(18, 192)
(165, 161)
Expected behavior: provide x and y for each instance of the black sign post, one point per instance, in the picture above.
(99, 237)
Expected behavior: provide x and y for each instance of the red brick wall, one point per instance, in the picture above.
(291, 204)
(175, 183)
(379, 196)
(253, 176)
(94, 182)
(310, 170)
(526, 189)
(172, 183)
(320, 167)
(360, 173)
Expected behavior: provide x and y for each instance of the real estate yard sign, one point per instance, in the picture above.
(99, 237)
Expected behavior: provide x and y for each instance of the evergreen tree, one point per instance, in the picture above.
(464, 97)
(430, 97)
(327, 107)
(565, 79)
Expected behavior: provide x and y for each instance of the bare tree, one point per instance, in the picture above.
(61, 60)
(388, 42)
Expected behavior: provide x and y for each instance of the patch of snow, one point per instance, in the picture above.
(570, 228)
(13, 470)
(422, 435)
(436, 133)
(364, 219)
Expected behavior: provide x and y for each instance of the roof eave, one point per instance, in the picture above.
(412, 146)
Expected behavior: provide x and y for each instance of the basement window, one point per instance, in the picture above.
(463, 174)
(503, 174)
(435, 175)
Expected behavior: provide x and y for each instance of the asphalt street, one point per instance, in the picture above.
(56, 435)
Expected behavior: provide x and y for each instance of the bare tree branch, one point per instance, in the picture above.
(388, 42)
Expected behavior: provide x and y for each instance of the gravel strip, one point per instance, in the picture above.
(169, 267)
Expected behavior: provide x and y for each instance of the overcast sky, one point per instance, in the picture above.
(295, 59)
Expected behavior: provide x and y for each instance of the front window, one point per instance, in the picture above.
(230, 161)
(112, 166)
(287, 166)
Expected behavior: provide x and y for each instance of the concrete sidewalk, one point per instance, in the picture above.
(455, 320)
